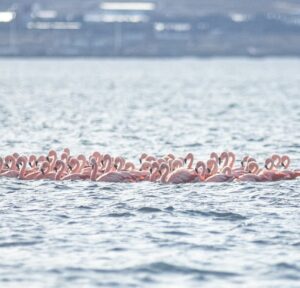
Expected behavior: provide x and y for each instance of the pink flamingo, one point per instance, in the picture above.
(12, 171)
(239, 171)
(253, 169)
(215, 156)
(276, 160)
(67, 151)
(212, 168)
(223, 160)
(189, 159)
(181, 175)
(112, 176)
(16, 155)
(225, 176)
(40, 160)
(60, 167)
(154, 171)
(32, 162)
(51, 158)
(22, 174)
(285, 163)
(75, 173)
(45, 172)
(143, 173)
(269, 174)
(142, 157)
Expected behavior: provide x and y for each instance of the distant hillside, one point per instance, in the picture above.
(174, 7)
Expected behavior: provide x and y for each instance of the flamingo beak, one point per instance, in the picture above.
(55, 169)
(282, 165)
(116, 166)
(18, 166)
(36, 163)
(48, 159)
(266, 166)
(196, 169)
(43, 172)
(242, 163)
(185, 160)
(159, 172)
(208, 170)
(6, 165)
(140, 161)
(150, 170)
(70, 167)
(220, 160)
(30, 164)
(102, 162)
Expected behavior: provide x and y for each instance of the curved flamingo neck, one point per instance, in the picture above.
(253, 168)
(53, 158)
(224, 157)
(227, 171)
(107, 163)
(22, 172)
(166, 172)
(60, 171)
(154, 175)
(129, 166)
(214, 156)
(77, 167)
(190, 158)
(11, 159)
(82, 160)
(200, 166)
(94, 171)
(120, 163)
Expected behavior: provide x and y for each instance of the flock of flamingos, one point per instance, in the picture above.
(167, 169)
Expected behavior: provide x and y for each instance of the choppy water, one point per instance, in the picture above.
(82, 234)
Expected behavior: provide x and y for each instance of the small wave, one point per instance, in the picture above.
(286, 266)
(16, 244)
(170, 208)
(163, 267)
(149, 209)
(178, 233)
(84, 207)
(222, 215)
(125, 214)
(261, 242)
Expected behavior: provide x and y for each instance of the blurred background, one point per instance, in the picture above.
(149, 28)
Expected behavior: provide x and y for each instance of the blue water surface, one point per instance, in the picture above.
(84, 234)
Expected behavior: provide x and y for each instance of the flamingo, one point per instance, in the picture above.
(22, 174)
(181, 175)
(108, 176)
(154, 171)
(12, 171)
(60, 167)
(285, 163)
(189, 159)
(269, 174)
(51, 158)
(214, 156)
(223, 160)
(211, 167)
(225, 176)
(253, 169)
(75, 173)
